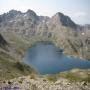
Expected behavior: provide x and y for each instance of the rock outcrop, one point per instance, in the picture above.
(3, 42)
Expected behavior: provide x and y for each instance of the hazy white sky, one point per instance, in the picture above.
(78, 10)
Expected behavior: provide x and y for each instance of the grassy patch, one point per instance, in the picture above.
(80, 75)
(9, 68)
(74, 75)
(24, 68)
(52, 78)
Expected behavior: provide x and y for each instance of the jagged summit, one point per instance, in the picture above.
(31, 12)
(65, 20)
(29, 23)
(9, 15)
(58, 17)
(14, 12)
(59, 14)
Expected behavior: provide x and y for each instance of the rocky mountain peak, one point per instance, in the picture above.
(30, 13)
(14, 12)
(59, 14)
(64, 20)
(9, 16)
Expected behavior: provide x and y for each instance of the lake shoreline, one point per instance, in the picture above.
(46, 51)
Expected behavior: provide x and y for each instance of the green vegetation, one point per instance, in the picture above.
(24, 68)
(76, 75)
(11, 65)
(52, 78)
(11, 69)
(10, 61)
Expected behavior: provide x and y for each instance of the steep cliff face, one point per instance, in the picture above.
(63, 20)
(60, 28)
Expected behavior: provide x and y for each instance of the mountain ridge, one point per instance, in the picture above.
(22, 30)
(13, 13)
(59, 28)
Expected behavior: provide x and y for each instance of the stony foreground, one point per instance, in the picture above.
(41, 83)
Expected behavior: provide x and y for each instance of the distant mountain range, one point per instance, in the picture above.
(59, 28)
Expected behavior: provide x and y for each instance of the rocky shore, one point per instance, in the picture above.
(41, 83)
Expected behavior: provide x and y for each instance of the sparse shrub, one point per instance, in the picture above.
(20, 81)
(52, 78)
(32, 76)
(24, 68)
(44, 80)
(20, 66)
(9, 82)
(72, 77)
(87, 79)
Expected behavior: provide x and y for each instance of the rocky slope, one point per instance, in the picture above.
(11, 72)
(10, 58)
(35, 82)
(18, 31)
(59, 28)
(3, 42)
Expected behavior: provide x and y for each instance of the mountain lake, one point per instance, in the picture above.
(46, 58)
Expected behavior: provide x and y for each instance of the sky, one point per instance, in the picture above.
(78, 10)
